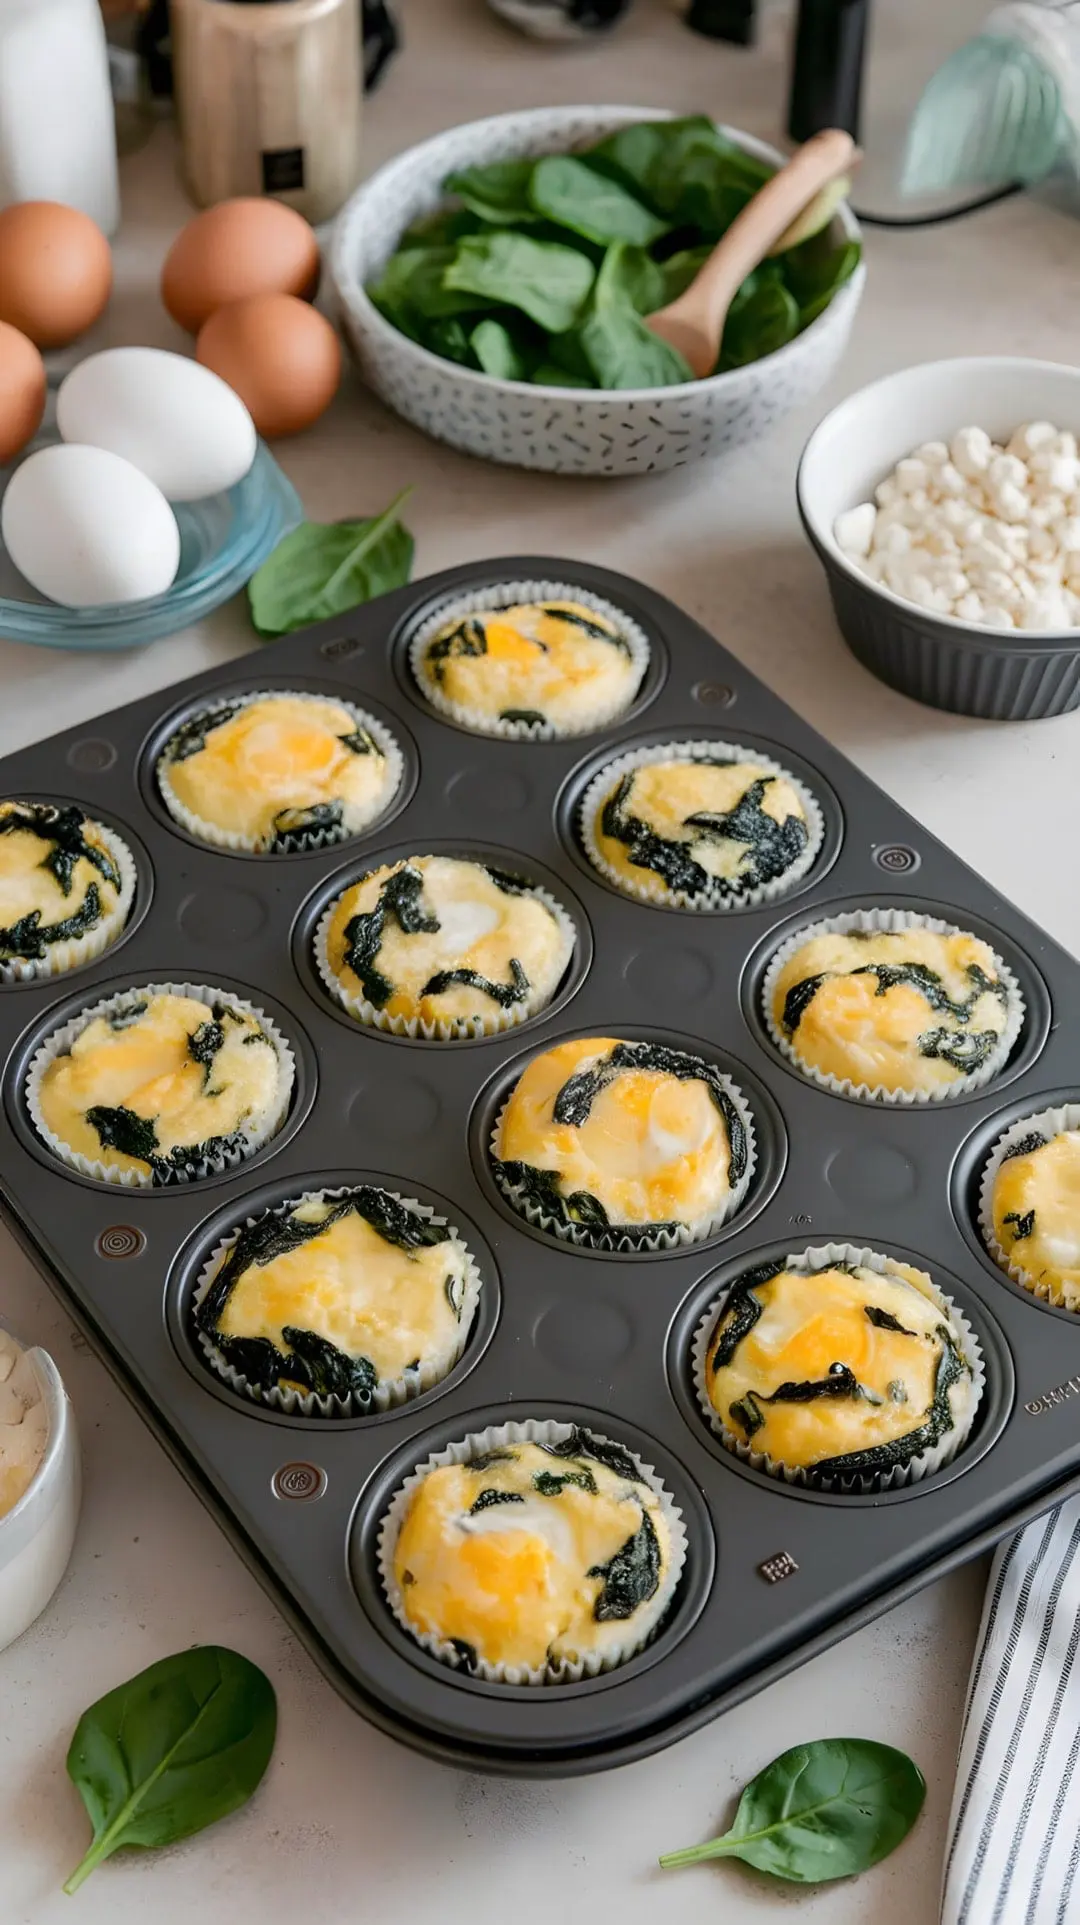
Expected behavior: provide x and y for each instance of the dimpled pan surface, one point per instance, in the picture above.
(773, 1573)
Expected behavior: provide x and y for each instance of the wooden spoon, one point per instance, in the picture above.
(695, 322)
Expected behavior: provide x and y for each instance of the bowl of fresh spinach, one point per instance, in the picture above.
(492, 282)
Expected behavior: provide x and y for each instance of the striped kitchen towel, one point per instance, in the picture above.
(1014, 1834)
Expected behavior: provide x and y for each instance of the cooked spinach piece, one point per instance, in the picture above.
(1024, 1221)
(204, 1043)
(498, 193)
(489, 1457)
(63, 828)
(936, 1425)
(631, 1577)
(547, 281)
(1024, 1145)
(772, 846)
(120, 1129)
(585, 1443)
(965, 1050)
(465, 1653)
(741, 1312)
(820, 1811)
(293, 826)
(510, 885)
(589, 627)
(191, 736)
(542, 1188)
(492, 1496)
(125, 1018)
(529, 716)
(919, 976)
(454, 1290)
(311, 1361)
(884, 1320)
(29, 938)
(575, 1099)
(550, 1485)
(360, 741)
(399, 898)
(505, 994)
(468, 640)
(746, 1414)
(572, 194)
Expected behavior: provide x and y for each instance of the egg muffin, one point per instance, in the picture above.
(622, 1144)
(66, 888)
(1031, 1206)
(548, 664)
(699, 826)
(442, 947)
(278, 773)
(532, 1561)
(842, 1372)
(909, 1013)
(345, 1300)
(160, 1085)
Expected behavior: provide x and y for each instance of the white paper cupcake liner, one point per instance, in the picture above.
(358, 816)
(568, 1670)
(256, 1133)
(1048, 1123)
(890, 921)
(507, 595)
(446, 1029)
(629, 1239)
(807, 1261)
(650, 888)
(389, 1392)
(78, 950)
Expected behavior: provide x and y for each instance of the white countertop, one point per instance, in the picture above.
(348, 1825)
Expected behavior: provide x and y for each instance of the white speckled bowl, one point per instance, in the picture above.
(564, 430)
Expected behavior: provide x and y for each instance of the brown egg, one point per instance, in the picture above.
(55, 271)
(22, 391)
(281, 356)
(238, 248)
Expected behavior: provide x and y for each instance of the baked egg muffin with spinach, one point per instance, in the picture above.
(67, 885)
(1031, 1206)
(546, 664)
(341, 1301)
(443, 947)
(849, 1369)
(274, 773)
(912, 1013)
(699, 826)
(160, 1086)
(532, 1561)
(623, 1144)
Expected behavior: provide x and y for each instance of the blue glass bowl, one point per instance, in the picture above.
(223, 540)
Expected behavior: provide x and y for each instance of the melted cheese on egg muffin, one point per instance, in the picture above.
(159, 1086)
(1036, 1213)
(338, 1295)
(628, 1136)
(557, 663)
(837, 1371)
(274, 769)
(533, 1555)
(698, 828)
(59, 880)
(437, 940)
(908, 1010)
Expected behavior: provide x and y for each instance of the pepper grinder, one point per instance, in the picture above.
(268, 97)
(827, 67)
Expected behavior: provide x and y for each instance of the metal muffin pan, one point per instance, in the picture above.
(774, 1572)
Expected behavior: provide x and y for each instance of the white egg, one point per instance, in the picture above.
(87, 528)
(178, 422)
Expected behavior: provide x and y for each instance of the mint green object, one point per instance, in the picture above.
(1004, 108)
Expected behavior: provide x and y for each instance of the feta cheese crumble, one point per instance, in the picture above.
(986, 533)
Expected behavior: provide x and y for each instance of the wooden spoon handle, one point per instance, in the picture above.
(762, 221)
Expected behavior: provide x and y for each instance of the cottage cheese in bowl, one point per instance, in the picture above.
(24, 1423)
(40, 1484)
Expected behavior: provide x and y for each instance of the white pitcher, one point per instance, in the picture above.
(57, 126)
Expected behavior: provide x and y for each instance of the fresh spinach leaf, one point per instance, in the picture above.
(680, 269)
(818, 267)
(821, 1811)
(442, 228)
(766, 320)
(412, 290)
(498, 193)
(497, 352)
(176, 1748)
(623, 353)
(575, 196)
(629, 274)
(324, 568)
(547, 375)
(450, 338)
(547, 281)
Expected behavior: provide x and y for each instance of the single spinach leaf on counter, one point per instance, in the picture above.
(547, 281)
(324, 568)
(821, 1811)
(176, 1748)
(498, 193)
(574, 195)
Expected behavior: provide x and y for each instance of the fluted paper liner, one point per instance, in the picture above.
(388, 1392)
(304, 840)
(1052, 1122)
(820, 1258)
(568, 1670)
(628, 1238)
(650, 888)
(446, 1029)
(483, 601)
(256, 1132)
(77, 950)
(890, 921)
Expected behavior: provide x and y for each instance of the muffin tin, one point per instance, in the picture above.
(774, 1572)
